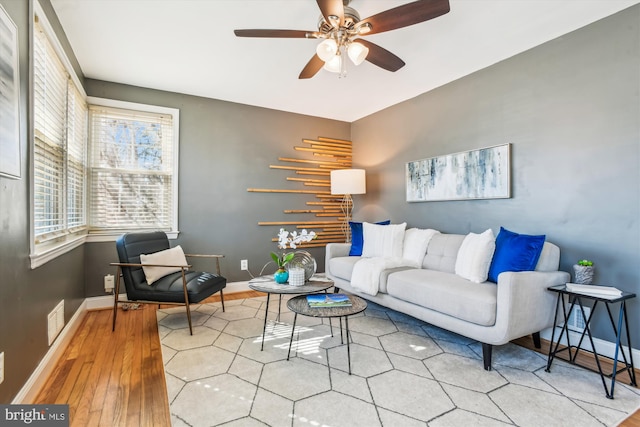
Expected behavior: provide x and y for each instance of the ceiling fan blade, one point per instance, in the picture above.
(332, 8)
(292, 34)
(312, 67)
(381, 57)
(405, 15)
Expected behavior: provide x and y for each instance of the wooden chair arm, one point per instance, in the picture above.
(124, 264)
(204, 256)
(216, 257)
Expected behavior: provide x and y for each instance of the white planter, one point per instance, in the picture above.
(296, 276)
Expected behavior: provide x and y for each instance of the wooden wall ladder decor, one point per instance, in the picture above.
(314, 176)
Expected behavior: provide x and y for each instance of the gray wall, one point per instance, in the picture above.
(570, 108)
(225, 148)
(27, 296)
(571, 111)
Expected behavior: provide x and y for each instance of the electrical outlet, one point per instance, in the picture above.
(244, 265)
(108, 283)
(1, 367)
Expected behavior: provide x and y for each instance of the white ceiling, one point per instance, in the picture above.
(188, 46)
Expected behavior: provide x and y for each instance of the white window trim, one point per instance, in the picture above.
(107, 236)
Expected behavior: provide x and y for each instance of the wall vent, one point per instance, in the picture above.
(576, 321)
(55, 321)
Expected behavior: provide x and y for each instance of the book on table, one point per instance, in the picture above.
(608, 291)
(328, 300)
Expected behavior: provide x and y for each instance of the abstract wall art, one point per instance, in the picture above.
(476, 174)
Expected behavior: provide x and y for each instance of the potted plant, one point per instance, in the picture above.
(287, 239)
(583, 272)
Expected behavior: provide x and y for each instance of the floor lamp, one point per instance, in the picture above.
(347, 182)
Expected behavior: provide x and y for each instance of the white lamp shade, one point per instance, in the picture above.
(327, 50)
(357, 52)
(348, 181)
(335, 65)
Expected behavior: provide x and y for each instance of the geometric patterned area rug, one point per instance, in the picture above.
(404, 373)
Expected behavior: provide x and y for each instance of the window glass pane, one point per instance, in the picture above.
(131, 169)
(60, 141)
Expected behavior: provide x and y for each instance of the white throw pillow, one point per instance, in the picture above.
(383, 240)
(415, 245)
(474, 256)
(173, 256)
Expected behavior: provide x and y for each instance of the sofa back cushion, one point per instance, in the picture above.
(442, 252)
(549, 258)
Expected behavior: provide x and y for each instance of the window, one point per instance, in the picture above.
(59, 146)
(133, 164)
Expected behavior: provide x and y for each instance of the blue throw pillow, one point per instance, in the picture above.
(357, 238)
(515, 252)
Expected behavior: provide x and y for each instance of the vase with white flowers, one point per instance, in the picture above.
(286, 240)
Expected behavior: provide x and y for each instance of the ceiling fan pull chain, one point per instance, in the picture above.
(343, 62)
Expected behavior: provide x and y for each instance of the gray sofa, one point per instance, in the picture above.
(493, 314)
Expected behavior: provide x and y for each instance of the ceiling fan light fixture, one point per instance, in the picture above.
(327, 50)
(334, 65)
(357, 52)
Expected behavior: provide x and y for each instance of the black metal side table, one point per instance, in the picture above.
(578, 298)
(299, 305)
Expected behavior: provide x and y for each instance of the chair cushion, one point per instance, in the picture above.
(173, 256)
(169, 288)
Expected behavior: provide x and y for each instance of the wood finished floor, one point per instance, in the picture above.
(117, 379)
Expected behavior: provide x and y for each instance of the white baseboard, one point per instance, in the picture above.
(237, 287)
(604, 348)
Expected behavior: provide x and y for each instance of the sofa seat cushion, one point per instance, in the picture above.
(446, 293)
(342, 268)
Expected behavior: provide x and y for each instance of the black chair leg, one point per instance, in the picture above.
(222, 299)
(486, 356)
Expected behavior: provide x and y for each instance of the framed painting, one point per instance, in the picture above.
(9, 98)
(477, 174)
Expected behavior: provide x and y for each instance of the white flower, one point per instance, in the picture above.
(287, 239)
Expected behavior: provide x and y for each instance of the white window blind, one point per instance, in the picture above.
(60, 123)
(132, 169)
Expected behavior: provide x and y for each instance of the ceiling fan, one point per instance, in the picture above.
(340, 27)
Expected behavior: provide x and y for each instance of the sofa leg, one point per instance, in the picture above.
(486, 356)
(536, 339)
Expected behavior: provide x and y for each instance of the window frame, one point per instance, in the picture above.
(101, 235)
